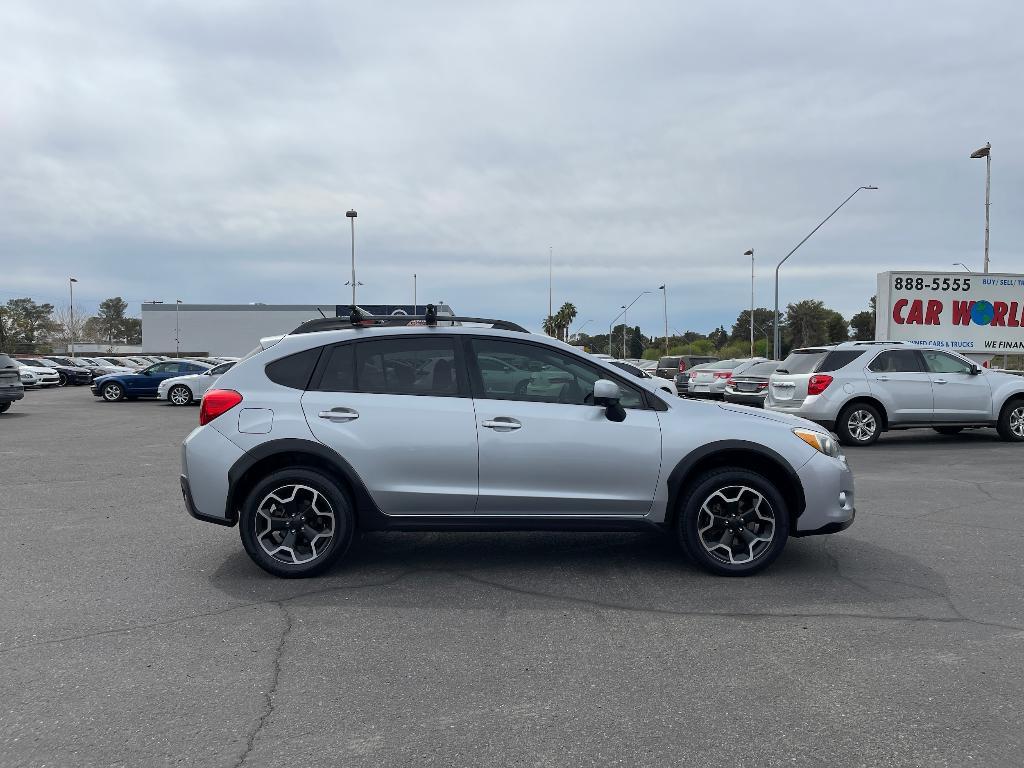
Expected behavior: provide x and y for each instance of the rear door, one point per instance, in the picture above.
(398, 410)
(958, 394)
(548, 451)
(897, 377)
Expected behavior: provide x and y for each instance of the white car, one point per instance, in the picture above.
(665, 385)
(183, 390)
(102, 367)
(37, 376)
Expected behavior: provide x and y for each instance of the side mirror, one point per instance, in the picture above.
(975, 370)
(608, 394)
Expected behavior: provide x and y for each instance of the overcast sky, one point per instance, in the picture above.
(209, 150)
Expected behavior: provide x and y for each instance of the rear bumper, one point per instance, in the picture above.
(190, 505)
(745, 398)
(11, 395)
(206, 457)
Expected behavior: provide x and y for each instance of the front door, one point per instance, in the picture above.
(398, 411)
(898, 379)
(959, 395)
(546, 449)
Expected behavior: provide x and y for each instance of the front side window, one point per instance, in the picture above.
(222, 368)
(419, 365)
(538, 374)
(897, 361)
(940, 362)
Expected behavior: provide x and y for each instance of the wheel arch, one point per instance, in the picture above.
(291, 453)
(868, 400)
(742, 454)
(1010, 397)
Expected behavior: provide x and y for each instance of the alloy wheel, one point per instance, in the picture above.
(112, 392)
(862, 425)
(180, 395)
(1017, 421)
(736, 524)
(295, 524)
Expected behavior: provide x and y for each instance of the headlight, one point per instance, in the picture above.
(819, 441)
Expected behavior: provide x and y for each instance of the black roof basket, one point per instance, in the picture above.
(357, 318)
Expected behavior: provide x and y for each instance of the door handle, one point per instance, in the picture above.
(882, 378)
(503, 423)
(938, 381)
(339, 415)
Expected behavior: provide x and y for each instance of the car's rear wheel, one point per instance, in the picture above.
(859, 424)
(732, 522)
(948, 430)
(1011, 422)
(62, 379)
(4, 407)
(179, 394)
(296, 523)
(112, 392)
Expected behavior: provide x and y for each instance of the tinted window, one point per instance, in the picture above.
(897, 361)
(940, 362)
(668, 362)
(339, 369)
(541, 375)
(835, 360)
(222, 368)
(632, 370)
(419, 365)
(802, 360)
(192, 368)
(294, 370)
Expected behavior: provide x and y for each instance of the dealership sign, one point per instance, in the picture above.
(970, 312)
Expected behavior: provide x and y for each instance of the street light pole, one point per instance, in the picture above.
(351, 215)
(775, 338)
(551, 274)
(750, 253)
(664, 296)
(415, 306)
(71, 316)
(961, 264)
(986, 152)
(177, 328)
(579, 328)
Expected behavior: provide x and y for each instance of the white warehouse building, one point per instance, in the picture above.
(235, 329)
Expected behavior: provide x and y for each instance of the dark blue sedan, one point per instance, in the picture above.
(144, 383)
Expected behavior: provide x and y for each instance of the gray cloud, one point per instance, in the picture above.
(209, 153)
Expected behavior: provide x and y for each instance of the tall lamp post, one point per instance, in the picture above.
(961, 264)
(415, 305)
(750, 253)
(775, 338)
(351, 215)
(177, 328)
(985, 152)
(579, 328)
(664, 296)
(622, 314)
(71, 316)
(551, 275)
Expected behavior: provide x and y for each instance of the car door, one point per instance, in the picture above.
(546, 451)
(959, 394)
(897, 377)
(398, 410)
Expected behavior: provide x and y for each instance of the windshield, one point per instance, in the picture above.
(801, 361)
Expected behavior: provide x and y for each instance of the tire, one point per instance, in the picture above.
(264, 535)
(5, 407)
(859, 424)
(708, 533)
(948, 430)
(112, 392)
(179, 394)
(62, 380)
(1011, 422)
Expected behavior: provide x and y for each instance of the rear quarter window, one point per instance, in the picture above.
(835, 360)
(295, 370)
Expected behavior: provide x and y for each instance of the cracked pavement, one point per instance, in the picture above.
(133, 635)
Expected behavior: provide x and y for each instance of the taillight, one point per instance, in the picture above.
(723, 374)
(215, 402)
(682, 366)
(819, 383)
(762, 385)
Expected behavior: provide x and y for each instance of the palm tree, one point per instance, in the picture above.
(551, 325)
(564, 319)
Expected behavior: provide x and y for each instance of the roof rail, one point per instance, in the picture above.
(359, 319)
(868, 343)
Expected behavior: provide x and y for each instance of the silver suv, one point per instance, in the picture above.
(861, 389)
(352, 424)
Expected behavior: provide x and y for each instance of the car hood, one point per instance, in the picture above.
(760, 413)
(39, 371)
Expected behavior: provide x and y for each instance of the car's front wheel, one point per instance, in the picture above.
(62, 379)
(112, 392)
(859, 424)
(1011, 422)
(296, 523)
(179, 394)
(4, 407)
(732, 522)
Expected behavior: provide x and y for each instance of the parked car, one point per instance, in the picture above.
(315, 436)
(35, 376)
(144, 383)
(101, 367)
(66, 374)
(682, 380)
(751, 386)
(669, 367)
(665, 385)
(121, 362)
(861, 389)
(710, 380)
(11, 388)
(185, 390)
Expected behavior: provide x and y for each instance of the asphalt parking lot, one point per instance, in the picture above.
(133, 635)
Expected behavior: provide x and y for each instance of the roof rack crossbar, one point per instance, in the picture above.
(359, 319)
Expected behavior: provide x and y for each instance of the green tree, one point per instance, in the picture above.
(27, 324)
(836, 327)
(132, 330)
(863, 323)
(719, 337)
(111, 318)
(563, 320)
(741, 328)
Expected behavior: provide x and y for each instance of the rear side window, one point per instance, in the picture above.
(840, 359)
(294, 370)
(802, 360)
(669, 362)
(897, 361)
(407, 366)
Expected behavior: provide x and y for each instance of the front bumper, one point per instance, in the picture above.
(10, 394)
(828, 496)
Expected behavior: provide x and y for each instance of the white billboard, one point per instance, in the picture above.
(970, 312)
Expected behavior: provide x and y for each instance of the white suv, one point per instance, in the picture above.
(861, 389)
(352, 423)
